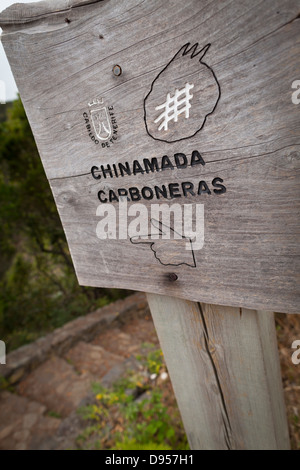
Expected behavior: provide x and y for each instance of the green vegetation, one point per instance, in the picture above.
(53, 414)
(136, 413)
(38, 287)
(4, 111)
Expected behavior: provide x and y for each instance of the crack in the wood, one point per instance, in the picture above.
(225, 415)
(270, 390)
(65, 41)
(27, 19)
(294, 19)
(275, 31)
(147, 39)
(85, 4)
(137, 18)
(68, 177)
(159, 45)
(226, 435)
(128, 48)
(258, 40)
(246, 146)
(233, 159)
(250, 157)
(97, 25)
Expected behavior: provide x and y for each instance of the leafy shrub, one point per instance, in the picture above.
(134, 414)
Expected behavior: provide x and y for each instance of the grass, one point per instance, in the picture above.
(137, 412)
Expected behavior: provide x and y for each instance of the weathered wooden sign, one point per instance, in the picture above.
(169, 102)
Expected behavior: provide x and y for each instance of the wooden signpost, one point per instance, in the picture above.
(187, 103)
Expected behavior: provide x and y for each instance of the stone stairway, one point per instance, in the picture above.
(46, 381)
(52, 377)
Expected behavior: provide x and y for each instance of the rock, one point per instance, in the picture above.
(119, 371)
(92, 358)
(56, 385)
(23, 421)
(54, 374)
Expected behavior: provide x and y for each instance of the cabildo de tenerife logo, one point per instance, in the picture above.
(101, 123)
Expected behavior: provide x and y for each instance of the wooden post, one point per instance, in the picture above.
(224, 366)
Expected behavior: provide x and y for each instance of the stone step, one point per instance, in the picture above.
(129, 338)
(23, 424)
(117, 342)
(56, 385)
(142, 329)
(91, 358)
(23, 360)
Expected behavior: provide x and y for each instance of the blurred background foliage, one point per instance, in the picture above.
(38, 286)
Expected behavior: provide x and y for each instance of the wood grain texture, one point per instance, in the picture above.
(224, 367)
(250, 256)
(19, 13)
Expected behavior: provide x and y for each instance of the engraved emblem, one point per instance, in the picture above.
(101, 123)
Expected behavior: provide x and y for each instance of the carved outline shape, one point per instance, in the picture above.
(147, 242)
(185, 51)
